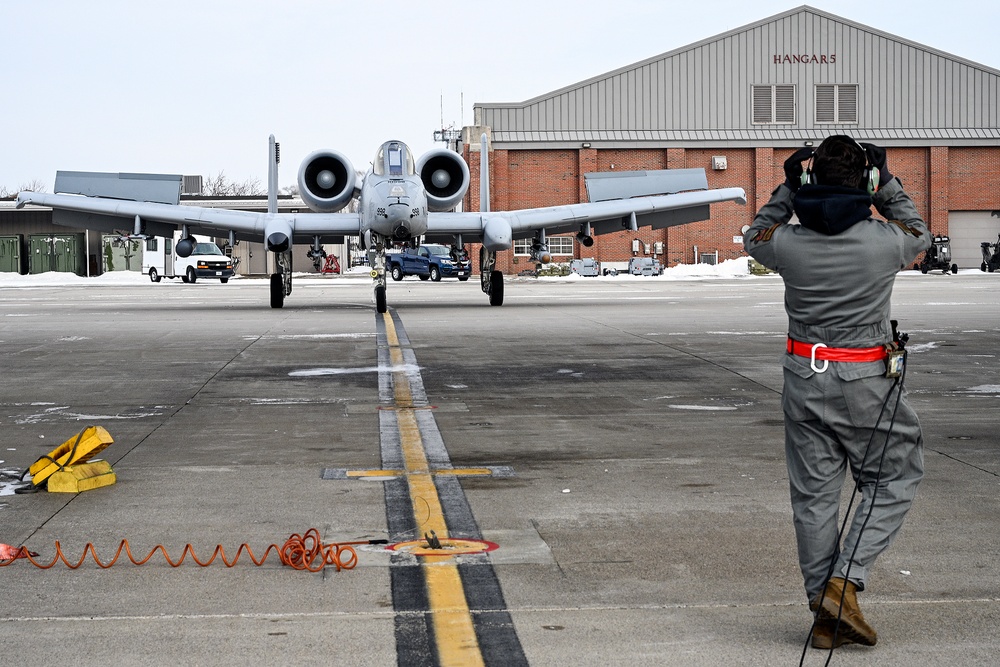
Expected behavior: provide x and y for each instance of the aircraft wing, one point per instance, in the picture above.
(162, 219)
(603, 217)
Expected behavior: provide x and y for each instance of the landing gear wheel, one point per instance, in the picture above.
(397, 273)
(496, 288)
(982, 267)
(380, 304)
(923, 268)
(155, 277)
(954, 269)
(435, 274)
(192, 277)
(277, 291)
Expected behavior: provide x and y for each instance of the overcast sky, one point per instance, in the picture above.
(195, 87)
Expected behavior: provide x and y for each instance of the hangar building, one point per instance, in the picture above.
(738, 104)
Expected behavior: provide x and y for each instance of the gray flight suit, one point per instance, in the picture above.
(837, 291)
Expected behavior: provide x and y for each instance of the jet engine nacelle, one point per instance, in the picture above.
(445, 177)
(327, 181)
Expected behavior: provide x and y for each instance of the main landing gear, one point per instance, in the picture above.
(281, 282)
(491, 279)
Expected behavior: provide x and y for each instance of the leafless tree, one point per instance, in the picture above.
(31, 186)
(220, 186)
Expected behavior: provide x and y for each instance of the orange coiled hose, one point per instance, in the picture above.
(301, 552)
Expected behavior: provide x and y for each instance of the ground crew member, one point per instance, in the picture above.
(838, 266)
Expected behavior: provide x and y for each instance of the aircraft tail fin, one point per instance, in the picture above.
(273, 158)
(484, 175)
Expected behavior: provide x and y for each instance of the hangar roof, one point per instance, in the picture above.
(799, 75)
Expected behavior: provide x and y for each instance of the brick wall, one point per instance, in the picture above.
(940, 179)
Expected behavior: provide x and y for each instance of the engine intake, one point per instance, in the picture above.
(327, 181)
(445, 177)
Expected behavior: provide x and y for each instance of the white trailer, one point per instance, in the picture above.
(159, 260)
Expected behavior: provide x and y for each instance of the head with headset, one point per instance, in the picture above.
(841, 161)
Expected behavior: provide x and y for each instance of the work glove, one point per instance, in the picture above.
(876, 158)
(793, 168)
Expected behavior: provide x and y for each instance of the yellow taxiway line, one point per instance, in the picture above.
(454, 633)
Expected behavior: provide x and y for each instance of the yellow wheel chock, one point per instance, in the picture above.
(66, 468)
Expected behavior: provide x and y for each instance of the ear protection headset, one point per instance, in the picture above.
(870, 174)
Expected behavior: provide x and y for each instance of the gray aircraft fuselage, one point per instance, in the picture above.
(394, 201)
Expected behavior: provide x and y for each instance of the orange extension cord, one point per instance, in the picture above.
(301, 552)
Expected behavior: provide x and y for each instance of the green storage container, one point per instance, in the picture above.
(10, 253)
(57, 252)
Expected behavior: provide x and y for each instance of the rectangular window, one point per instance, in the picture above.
(837, 103)
(558, 245)
(773, 104)
(561, 245)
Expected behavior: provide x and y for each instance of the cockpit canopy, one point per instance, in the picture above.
(393, 160)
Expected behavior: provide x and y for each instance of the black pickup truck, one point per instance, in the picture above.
(430, 260)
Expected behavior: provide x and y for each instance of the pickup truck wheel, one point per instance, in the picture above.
(463, 278)
(155, 277)
(423, 277)
(435, 274)
(397, 272)
(192, 277)
(223, 280)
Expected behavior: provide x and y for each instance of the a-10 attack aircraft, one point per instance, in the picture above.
(401, 201)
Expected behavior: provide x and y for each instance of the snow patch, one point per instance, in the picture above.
(702, 407)
(984, 389)
(317, 372)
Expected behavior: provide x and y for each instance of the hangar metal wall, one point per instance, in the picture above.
(907, 92)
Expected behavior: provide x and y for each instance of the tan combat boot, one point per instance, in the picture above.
(852, 623)
(826, 635)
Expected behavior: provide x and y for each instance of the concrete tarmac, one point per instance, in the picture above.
(632, 434)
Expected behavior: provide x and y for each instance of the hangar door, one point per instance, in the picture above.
(968, 230)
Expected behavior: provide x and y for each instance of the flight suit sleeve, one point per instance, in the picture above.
(759, 239)
(892, 203)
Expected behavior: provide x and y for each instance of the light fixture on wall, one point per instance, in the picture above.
(808, 143)
(585, 144)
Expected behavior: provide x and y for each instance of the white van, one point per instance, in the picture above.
(207, 261)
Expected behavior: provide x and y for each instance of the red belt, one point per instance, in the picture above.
(822, 352)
